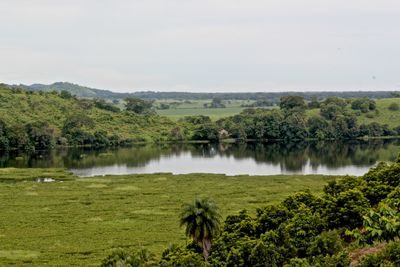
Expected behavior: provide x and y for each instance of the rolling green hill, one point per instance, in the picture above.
(76, 90)
(19, 108)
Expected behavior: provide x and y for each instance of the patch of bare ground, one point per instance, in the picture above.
(358, 254)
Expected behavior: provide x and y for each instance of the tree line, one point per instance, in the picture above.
(336, 120)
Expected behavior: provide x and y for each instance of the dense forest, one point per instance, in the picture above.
(354, 222)
(274, 97)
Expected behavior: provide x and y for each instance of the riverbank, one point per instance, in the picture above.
(75, 221)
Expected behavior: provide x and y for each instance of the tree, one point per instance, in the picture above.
(208, 131)
(394, 106)
(4, 142)
(138, 105)
(291, 102)
(65, 94)
(313, 103)
(215, 103)
(363, 104)
(202, 221)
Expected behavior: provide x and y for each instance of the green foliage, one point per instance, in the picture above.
(176, 256)
(394, 106)
(393, 199)
(292, 102)
(389, 257)
(207, 131)
(202, 221)
(102, 104)
(341, 259)
(72, 121)
(327, 243)
(215, 103)
(302, 228)
(380, 225)
(332, 107)
(121, 257)
(138, 106)
(346, 209)
(40, 134)
(293, 127)
(314, 103)
(363, 104)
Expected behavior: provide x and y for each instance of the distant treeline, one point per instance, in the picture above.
(337, 119)
(272, 96)
(86, 92)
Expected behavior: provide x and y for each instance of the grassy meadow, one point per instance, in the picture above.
(77, 221)
(196, 108)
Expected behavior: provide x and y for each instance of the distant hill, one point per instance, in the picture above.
(75, 89)
(87, 92)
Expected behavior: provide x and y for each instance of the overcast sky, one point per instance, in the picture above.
(202, 45)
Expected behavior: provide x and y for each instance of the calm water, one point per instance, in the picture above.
(353, 158)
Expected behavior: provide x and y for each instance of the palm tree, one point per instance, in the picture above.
(203, 222)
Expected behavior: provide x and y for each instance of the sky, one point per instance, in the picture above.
(202, 46)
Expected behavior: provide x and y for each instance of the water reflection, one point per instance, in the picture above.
(335, 158)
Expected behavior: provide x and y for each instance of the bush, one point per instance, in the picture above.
(394, 106)
(180, 256)
(347, 209)
(121, 257)
(327, 243)
(102, 104)
(207, 131)
(390, 256)
(41, 135)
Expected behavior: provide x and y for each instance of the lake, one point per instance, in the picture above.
(330, 158)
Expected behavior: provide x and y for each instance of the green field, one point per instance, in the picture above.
(384, 115)
(196, 107)
(77, 221)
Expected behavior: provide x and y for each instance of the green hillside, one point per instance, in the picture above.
(19, 108)
(382, 114)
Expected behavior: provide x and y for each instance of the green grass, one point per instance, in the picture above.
(76, 222)
(196, 108)
(213, 113)
(384, 115)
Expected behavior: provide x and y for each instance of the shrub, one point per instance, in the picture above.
(327, 243)
(347, 209)
(394, 106)
(121, 257)
(390, 256)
